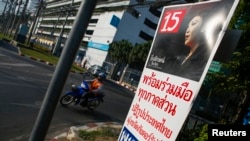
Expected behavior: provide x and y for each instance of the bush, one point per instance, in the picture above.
(104, 134)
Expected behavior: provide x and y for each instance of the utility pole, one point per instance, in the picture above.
(54, 26)
(4, 15)
(21, 18)
(18, 4)
(59, 40)
(62, 70)
(10, 16)
(34, 22)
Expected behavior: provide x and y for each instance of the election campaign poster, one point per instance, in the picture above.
(184, 45)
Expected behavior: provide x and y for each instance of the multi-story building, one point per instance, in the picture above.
(112, 20)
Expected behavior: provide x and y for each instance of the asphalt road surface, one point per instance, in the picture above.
(23, 85)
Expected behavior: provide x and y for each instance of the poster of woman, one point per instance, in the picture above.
(185, 42)
(185, 38)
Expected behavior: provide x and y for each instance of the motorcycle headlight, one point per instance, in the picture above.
(74, 88)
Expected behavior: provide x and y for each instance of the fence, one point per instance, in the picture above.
(132, 77)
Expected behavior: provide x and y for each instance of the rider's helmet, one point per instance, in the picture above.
(101, 76)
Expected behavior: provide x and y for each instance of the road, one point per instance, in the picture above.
(23, 85)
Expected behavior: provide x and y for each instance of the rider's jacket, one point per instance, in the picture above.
(95, 84)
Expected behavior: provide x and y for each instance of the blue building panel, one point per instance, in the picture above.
(115, 21)
(99, 46)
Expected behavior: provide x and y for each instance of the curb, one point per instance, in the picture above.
(127, 86)
(73, 131)
(35, 59)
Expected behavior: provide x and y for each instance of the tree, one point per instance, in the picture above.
(138, 55)
(203, 136)
(233, 80)
(119, 50)
(118, 54)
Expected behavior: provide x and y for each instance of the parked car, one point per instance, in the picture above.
(96, 69)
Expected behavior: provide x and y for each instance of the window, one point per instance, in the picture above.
(140, 1)
(150, 24)
(155, 12)
(93, 21)
(145, 36)
(89, 32)
(133, 12)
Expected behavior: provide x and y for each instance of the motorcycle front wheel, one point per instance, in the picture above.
(93, 104)
(66, 100)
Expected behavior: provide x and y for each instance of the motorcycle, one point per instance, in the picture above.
(76, 95)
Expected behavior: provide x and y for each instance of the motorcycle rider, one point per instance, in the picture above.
(95, 88)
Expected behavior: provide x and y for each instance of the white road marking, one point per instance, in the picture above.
(36, 105)
(16, 64)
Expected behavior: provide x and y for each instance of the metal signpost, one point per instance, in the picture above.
(62, 70)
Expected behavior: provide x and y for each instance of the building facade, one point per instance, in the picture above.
(112, 20)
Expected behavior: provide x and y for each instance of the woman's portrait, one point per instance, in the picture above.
(186, 54)
(191, 64)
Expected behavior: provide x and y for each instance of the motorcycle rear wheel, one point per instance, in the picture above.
(92, 105)
(66, 100)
